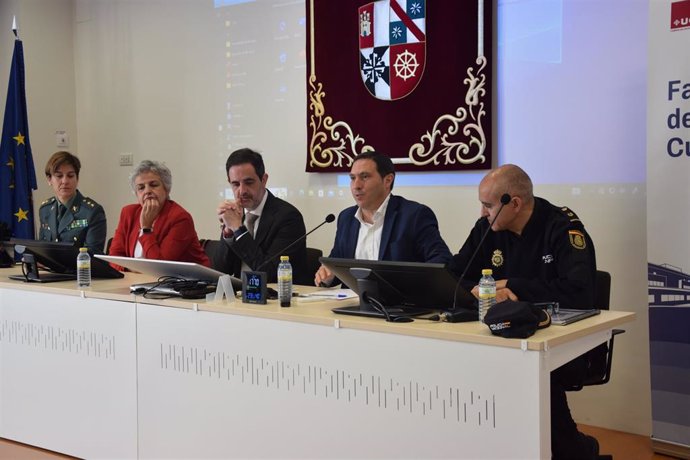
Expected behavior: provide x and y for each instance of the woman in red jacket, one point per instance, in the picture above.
(156, 227)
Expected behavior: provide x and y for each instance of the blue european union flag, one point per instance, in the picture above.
(17, 173)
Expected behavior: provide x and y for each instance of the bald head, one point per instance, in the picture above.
(510, 179)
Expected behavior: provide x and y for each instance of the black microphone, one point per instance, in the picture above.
(505, 199)
(329, 218)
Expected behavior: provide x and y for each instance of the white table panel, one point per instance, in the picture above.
(215, 385)
(68, 373)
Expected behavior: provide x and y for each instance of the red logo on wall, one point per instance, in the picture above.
(680, 15)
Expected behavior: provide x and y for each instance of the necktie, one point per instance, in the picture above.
(61, 211)
(249, 221)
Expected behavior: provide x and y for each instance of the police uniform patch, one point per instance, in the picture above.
(577, 239)
(497, 258)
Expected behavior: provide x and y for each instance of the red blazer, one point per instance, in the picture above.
(173, 236)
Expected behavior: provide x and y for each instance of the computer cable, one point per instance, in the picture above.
(163, 281)
(378, 306)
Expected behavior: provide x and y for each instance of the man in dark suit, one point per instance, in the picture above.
(382, 226)
(256, 225)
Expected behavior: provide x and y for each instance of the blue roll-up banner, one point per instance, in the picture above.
(668, 219)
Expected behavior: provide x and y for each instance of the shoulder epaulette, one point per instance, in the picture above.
(48, 201)
(570, 214)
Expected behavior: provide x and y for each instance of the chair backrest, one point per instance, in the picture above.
(599, 359)
(313, 263)
(602, 290)
(210, 248)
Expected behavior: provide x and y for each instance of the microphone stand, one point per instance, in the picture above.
(505, 199)
(329, 218)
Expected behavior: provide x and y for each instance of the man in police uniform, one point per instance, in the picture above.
(538, 252)
(70, 216)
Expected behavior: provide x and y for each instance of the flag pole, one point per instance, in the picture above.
(14, 27)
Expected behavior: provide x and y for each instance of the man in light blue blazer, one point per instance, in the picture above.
(382, 226)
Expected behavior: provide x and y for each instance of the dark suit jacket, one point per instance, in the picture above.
(280, 224)
(173, 236)
(83, 222)
(410, 234)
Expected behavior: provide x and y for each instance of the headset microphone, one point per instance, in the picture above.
(505, 199)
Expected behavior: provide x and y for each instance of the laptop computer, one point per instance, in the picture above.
(159, 268)
(567, 316)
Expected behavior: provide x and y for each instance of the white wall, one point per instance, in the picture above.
(145, 77)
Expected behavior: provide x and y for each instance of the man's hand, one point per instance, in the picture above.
(502, 292)
(230, 214)
(505, 294)
(323, 276)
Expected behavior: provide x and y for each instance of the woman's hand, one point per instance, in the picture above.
(150, 209)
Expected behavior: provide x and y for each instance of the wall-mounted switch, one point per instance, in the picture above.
(126, 159)
(61, 139)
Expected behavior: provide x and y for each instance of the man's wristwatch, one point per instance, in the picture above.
(146, 230)
(230, 233)
(240, 231)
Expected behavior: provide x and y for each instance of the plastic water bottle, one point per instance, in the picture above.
(284, 281)
(487, 293)
(83, 268)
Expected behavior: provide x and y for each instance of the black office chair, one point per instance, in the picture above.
(210, 247)
(601, 357)
(313, 263)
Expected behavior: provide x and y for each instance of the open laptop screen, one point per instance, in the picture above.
(159, 268)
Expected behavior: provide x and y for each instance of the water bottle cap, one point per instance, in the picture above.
(487, 271)
(284, 258)
(83, 249)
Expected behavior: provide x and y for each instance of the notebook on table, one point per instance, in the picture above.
(567, 316)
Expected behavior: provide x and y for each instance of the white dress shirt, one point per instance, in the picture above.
(369, 238)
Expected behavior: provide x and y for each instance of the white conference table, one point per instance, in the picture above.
(101, 373)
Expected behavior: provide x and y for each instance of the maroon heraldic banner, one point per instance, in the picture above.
(408, 78)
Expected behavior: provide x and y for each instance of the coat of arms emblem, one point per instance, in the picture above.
(392, 46)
